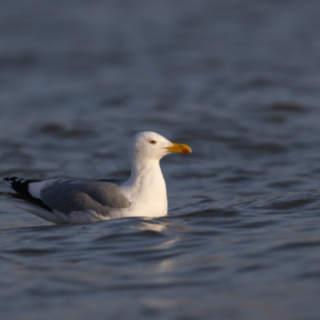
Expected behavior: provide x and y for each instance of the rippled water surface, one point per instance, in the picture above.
(238, 81)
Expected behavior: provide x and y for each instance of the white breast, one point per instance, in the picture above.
(147, 193)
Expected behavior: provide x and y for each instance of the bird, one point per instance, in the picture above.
(67, 201)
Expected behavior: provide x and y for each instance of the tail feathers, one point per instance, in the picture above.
(11, 195)
(38, 211)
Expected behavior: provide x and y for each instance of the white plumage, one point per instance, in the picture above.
(69, 201)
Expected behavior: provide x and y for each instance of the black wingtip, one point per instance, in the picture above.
(21, 186)
(12, 180)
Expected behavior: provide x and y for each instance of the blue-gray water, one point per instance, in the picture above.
(238, 81)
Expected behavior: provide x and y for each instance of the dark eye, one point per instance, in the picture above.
(153, 142)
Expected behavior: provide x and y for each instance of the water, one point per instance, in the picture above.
(239, 83)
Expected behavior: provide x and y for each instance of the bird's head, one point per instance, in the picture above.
(151, 145)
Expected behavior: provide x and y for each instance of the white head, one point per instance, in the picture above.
(151, 145)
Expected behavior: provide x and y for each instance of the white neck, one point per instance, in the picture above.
(146, 188)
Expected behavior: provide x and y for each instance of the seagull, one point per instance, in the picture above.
(65, 201)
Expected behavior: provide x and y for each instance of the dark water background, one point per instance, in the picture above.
(239, 81)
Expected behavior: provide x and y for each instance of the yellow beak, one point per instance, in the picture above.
(177, 147)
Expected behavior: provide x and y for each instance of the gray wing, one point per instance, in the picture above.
(67, 196)
(116, 181)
